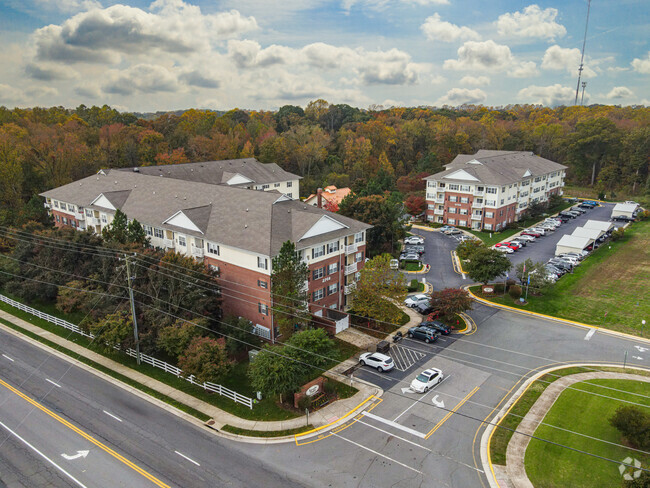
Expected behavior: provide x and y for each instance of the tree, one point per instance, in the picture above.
(117, 230)
(465, 249)
(536, 271)
(289, 292)
(486, 265)
(378, 289)
(112, 331)
(414, 204)
(634, 424)
(175, 339)
(239, 335)
(451, 301)
(206, 359)
(273, 373)
(313, 347)
(135, 233)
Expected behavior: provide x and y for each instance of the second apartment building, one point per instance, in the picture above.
(490, 189)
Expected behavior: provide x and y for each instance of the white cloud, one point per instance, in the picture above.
(10, 96)
(487, 55)
(438, 30)
(552, 95)
(141, 78)
(171, 26)
(68, 6)
(49, 72)
(617, 69)
(619, 92)
(642, 65)
(475, 80)
(560, 58)
(462, 96)
(531, 22)
(525, 69)
(380, 5)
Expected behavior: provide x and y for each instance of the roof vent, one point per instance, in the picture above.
(175, 196)
(184, 198)
(191, 169)
(154, 192)
(116, 182)
(135, 186)
(245, 226)
(247, 210)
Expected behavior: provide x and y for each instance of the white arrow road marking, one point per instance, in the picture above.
(111, 415)
(184, 456)
(589, 334)
(407, 390)
(439, 404)
(43, 455)
(50, 381)
(394, 424)
(638, 357)
(4, 355)
(641, 349)
(80, 454)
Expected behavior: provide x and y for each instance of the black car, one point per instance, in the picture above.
(425, 334)
(622, 218)
(567, 214)
(563, 265)
(425, 308)
(438, 326)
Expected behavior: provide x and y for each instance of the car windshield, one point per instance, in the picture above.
(422, 378)
(388, 360)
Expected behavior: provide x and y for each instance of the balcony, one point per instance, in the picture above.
(476, 217)
(47, 205)
(169, 243)
(197, 252)
(478, 193)
(477, 205)
(351, 249)
(440, 199)
(438, 211)
(348, 289)
(351, 268)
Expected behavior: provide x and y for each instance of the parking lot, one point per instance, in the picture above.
(405, 357)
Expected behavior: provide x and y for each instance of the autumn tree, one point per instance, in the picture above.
(451, 301)
(175, 339)
(536, 272)
(414, 204)
(206, 359)
(465, 249)
(289, 293)
(238, 332)
(486, 265)
(112, 331)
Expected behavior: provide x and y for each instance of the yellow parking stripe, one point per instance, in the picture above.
(451, 412)
(88, 437)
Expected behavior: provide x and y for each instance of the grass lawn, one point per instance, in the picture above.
(266, 433)
(550, 466)
(609, 289)
(412, 266)
(592, 193)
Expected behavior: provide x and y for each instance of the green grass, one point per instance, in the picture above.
(608, 289)
(412, 266)
(551, 466)
(342, 390)
(592, 193)
(266, 433)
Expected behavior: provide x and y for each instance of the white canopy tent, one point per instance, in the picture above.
(572, 244)
(600, 225)
(590, 233)
(624, 210)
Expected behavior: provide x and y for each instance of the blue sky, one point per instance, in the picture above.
(171, 54)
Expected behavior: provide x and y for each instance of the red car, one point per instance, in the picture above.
(531, 233)
(512, 246)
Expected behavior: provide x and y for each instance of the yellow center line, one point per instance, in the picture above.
(451, 412)
(86, 436)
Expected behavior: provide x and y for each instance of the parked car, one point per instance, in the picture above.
(394, 264)
(568, 214)
(415, 300)
(572, 259)
(526, 237)
(512, 246)
(578, 209)
(593, 203)
(381, 362)
(445, 227)
(576, 255)
(409, 256)
(426, 380)
(558, 263)
(543, 230)
(414, 248)
(414, 240)
(423, 333)
(622, 218)
(453, 231)
(585, 206)
(505, 249)
(520, 242)
(438, 326)
(425, 308)
(539, 232)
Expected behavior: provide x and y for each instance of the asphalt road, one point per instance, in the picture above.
(169, 449)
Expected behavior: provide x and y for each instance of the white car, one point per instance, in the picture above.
(414, 300)
(539, 230)
(414, 240)
(381, 362)
(426, 380)
(526, 238)
(505, 249)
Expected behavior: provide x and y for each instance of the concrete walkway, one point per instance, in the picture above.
(516, 451)
(328, 414)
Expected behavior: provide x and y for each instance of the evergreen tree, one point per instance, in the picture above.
(289, 292)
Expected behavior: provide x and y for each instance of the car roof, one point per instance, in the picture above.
(431, 371)
(379, 355)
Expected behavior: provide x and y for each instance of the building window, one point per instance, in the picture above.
(490, 203)
(358, 257)
(265, 187)
(318, 295)
(441, 185)
(525, 183)
(463, 211)
(181, 241)
(147, 229)
(332, 289)
(290, 194)
(65, 220)
(262, 263)
(73, 223)
(465, 188)
(333, 268)
(464, 200)
(487, 226)
(479, 188)
(453, 187)
(213, 248)
(430, 207)
(478, 200)
(489, 215)
(64, 206)
(317, 252)
(89, 213)
(58, 219)
(276, 185)
(462, 223)
(491, 189)
(358, 237)
(502, 201)
(453, 199)
(104, 219)
(289, 184)
(56, 204)
(262, 284)
(332, 247)
(158, 233)
(263, 309)
(452, 210)
(318, 273)
(452, 221)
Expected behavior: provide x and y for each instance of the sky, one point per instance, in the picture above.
(145, 56)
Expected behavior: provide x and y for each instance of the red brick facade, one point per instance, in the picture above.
(69, 221)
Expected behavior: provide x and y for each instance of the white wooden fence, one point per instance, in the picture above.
(156, 363)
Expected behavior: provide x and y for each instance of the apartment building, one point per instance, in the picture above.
(236, 231)
(241, 173)
(490, 189)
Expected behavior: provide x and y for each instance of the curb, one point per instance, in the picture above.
(426, 269)
(621, 335)
(486, 437)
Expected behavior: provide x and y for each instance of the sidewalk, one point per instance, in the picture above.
(219, 418)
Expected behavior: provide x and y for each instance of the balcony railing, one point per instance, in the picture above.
(352, 248)
(197, 252)
(348, 289)
(351, 268)
(440, 199)
(478, 193)
(477, 204)
(438, 212)
(168, 242)
(476, 217)
(47, 205)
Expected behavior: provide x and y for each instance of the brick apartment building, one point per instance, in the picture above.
(235, 230)
(490, 189)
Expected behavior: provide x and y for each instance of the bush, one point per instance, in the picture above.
(515, 292)
(329, 387)
(304, 403)
(414, 285)
(634, 424)
(618, 234)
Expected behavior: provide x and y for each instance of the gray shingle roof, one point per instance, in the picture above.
(499, 167)
(253, 220)
(219, 172)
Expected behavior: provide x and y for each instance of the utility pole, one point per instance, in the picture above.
(135, 321)
(582, 57)
(582, 99)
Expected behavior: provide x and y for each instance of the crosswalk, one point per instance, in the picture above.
(404, 357)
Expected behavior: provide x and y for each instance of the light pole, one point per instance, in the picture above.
(643, 327)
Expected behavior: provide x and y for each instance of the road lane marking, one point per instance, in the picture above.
(393, 424)
(50, 381)
(43, 456)
(189, 459)
(379, 454)
(111, 415)
(451, 412)
(86, 436)
(589, 334)
(4, 355)
(80, 454)
(418, 401)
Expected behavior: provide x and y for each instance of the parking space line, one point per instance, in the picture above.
(589, 334)
(405, 357)
(418, 401)
(393, 424)
(451, 412)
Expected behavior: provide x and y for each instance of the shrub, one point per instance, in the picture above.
(328, 387)
(618, 234)
(414, 285)
(634, 424)
(515, 292)
(304, 402)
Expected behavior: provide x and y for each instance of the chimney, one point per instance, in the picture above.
(319, 198)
